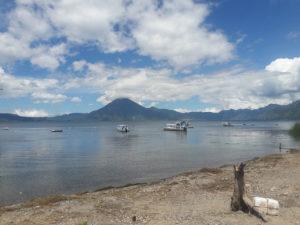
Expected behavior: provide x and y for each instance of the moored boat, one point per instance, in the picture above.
(178, 126)
(56, 130)
(227, 124)
(189, 124)
(123, 128)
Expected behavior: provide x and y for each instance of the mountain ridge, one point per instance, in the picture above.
(124, 109)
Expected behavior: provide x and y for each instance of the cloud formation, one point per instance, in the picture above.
(285, 65)
(75, 99)
(176, 32)
(172, 31)
(209, 109)
(39, 90)
(31, 113)
(233, 88)
(14, 86)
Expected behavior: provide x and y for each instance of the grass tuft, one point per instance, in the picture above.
(83, 223)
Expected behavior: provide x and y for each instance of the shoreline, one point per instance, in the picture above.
(209, 180)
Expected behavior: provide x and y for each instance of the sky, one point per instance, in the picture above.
(64, 56)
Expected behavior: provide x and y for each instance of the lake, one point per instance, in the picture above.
(86, 156)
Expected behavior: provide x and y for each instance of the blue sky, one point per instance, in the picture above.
(68, 56)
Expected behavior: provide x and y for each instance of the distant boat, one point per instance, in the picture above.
(56, 131)
(123, 128)
(178, 126)
(5, 128)
(189, 124)
(227, 124)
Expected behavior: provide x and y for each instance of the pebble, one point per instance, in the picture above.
(273, 189)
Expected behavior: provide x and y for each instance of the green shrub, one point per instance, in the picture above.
(295, 130)
(83, 223)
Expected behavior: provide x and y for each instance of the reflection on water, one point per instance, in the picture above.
(35, 162)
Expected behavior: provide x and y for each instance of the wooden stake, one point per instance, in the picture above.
(239, 199)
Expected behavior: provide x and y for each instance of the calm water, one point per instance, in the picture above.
(35, 162)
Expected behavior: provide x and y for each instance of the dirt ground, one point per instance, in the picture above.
(200, 197)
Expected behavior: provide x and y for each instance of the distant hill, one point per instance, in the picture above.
(7, 117)
(124, 109)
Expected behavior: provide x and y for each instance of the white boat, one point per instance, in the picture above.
(5, 128)
(123, 128)
(178, 126)
(227, 124)
(189, 124)
(56, 131)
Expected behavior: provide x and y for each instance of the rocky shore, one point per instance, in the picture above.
(199, 197)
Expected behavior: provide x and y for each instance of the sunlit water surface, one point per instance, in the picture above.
(86, 156)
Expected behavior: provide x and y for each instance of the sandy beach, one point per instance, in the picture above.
(198, 197)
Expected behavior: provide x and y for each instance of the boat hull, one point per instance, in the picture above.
(56, 131)
(227, 124)
(123, 128)
(123, 131)
(175, 129)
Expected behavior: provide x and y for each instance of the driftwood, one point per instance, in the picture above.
(239, 199)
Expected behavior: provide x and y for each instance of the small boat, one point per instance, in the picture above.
(123, 128)
(5, 128)
(189, 124)
(56, 131)
(178, 126)
(227, 124)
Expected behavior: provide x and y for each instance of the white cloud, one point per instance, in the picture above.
(183, 110)
(75, 99)
(285, 65)
(174, 32)
(153, 104)
(31, 113)
(40, 90)
(45, 61)
(28, 23)
(103, 100)
(44, 56)
(235, 88)
(79, 65)
(12, 48)
(20, 86)
(49, 57)
(44, 97)
(27, 26)
(85, 21)
(210, 109)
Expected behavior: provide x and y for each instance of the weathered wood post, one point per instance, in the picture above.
(239, 199)
(237, 202)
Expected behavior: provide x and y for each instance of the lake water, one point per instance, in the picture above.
(86, 156)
